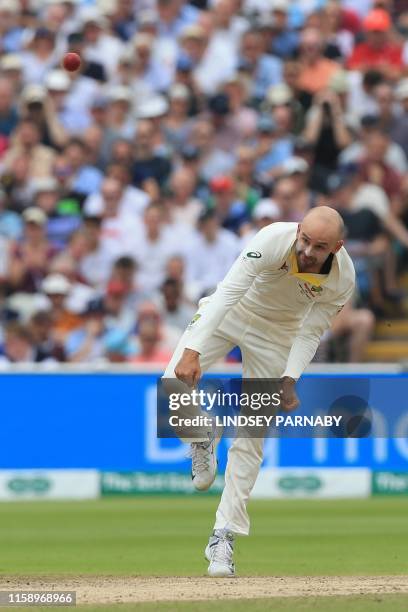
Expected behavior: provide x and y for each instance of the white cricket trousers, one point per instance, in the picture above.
(264, 355)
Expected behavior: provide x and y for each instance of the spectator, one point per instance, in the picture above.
(284, 193)
(150, 171)
(186, 128)
(315, 70)
(327, 131)
(271, 150)
(11, 226)
(186, 208)
(213, 160)
(231, 212)
(30, 257)
(375, 169)
(8, 111)
(378, 50)
(153, 247)
(266, 212)
(27, 142)
(40, 330)
(99, 46)
(84, 178)
(246, 186)
(19, 346)
(176, 125)
(176, 311)
(264, 70)
(398, 119)
(41, 55)
(210, 255)
(149, 350)
(285, 38)
(57, 288)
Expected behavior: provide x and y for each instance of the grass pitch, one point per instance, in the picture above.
(166, 536)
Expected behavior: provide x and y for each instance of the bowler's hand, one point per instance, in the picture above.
(289, 398)
(188, 369)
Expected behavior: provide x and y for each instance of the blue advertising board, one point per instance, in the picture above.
(108, 422)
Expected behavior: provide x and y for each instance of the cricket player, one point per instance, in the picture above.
(276, 301)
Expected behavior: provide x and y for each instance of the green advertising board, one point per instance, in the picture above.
(134, 483)
(390, 483)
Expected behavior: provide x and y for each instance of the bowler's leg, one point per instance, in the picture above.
(246, 453)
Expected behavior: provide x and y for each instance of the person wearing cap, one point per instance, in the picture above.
(231, 212)
(119, 118)
(378, 50)
(99, 45)
(265, 212)
(40, 56)
(177, 124)
(57, 289)
(27, 143)
(42, 104)
(11, 67)
(30, 256)
(271, 150)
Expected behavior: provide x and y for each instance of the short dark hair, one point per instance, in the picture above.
(125, 262)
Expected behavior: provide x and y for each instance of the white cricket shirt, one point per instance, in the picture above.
(265, 281)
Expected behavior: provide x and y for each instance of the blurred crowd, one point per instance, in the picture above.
(128, 187)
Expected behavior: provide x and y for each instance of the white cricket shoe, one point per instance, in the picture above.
(218, 552)
(204, 464)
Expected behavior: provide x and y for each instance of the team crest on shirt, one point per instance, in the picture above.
(194, 319)
(310, 291)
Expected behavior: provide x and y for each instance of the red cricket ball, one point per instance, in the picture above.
(71, 61)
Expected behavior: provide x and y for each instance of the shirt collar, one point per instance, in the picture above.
(313, 279)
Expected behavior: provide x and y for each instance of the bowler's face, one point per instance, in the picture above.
(312, 249)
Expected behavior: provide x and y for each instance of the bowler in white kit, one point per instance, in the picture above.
(275, 303)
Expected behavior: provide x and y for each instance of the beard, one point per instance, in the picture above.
(304, 262)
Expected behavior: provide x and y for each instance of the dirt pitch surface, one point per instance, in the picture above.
(134, 589)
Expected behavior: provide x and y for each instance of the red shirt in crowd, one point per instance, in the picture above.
(366, 56)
